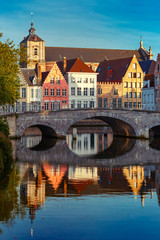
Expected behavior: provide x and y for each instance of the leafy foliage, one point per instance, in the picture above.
(4, 128)
(9, 68)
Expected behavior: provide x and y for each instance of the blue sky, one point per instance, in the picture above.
(113, 24)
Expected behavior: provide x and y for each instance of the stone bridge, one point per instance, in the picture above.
(130, 123)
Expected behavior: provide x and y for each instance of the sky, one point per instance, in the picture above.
(110, 24)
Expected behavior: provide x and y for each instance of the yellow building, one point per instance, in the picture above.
(120, 84)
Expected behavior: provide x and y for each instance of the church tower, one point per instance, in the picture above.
(35, 48)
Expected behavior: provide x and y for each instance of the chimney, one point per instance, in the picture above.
(64, 64)
(39, 72)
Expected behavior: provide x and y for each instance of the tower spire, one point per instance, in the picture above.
(31, 19)
(32, 30)
(141, 42)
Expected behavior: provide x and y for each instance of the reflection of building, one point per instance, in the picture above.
(89, 140)
(135, 177)
(30, 141)
(32, 187)
(55, 174)
(157, 183)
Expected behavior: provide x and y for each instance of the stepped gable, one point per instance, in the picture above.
(74, 65)
(28, 74)
(148, 66)
(90, 55)
(113, 70)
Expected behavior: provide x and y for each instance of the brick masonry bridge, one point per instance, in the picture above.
(130, 123)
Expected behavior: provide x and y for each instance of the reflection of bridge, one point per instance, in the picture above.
(123, 122)
(136, 153)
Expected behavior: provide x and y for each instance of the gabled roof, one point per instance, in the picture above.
(75, 65)
(92, 55)
(148, 66)
(29, 75)
(44, 75)
(113, 70)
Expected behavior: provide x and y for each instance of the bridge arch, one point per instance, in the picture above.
(47, 129)
(120, 125)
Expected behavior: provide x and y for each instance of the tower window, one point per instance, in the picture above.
(35, 51)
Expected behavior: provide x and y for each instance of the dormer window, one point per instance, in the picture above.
(35, 51)
(34, 81)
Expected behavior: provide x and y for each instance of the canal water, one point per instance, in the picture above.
(91, 186)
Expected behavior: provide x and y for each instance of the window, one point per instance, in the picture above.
(114, 102)
(86, 80)
(134, 65)
(32, 93)
(85, 104)
(52, 105)
(52, 92)
(138, 85)
(85, 91)
(64, 92)
(36, 93)
(99, 90)
(119, 102)
(105, 102)
(130, 94)
(115, 91)
(130, 75)
(126, 94)
(130, 85)
(78, 104)
(134, 84)
(46, 91)
(100, 102)
(134, 104)
(134, 95)
(72, 104)
(139, 75)
(64, 101)
(91, 104)
(130, 104)
(73, 80)
(91, 91)
(52, 80)
(23, 92)
(79, 91)
(139, 95)
(79, 80)
(46, 105)
(72, 91)
(91, 80)
(85, 143)
(134, 75)
(57, 80)
(125, 84)
(126, 104)
(139, 104)
(58, 92)
(58, 105)
(24, 106)
(35, 51)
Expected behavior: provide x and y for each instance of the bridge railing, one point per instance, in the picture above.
(58, 105)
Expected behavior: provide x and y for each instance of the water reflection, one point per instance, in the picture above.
(40, 181)
(89, 140)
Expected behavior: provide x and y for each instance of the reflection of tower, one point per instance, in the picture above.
(135, 177)
(32, 190)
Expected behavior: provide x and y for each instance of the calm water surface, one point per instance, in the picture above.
(91, 187)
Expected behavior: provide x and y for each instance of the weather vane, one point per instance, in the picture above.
(32, 17)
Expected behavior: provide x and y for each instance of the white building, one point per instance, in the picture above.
(148, 96)
(82, 83)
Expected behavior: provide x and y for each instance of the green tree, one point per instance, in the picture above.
(9, 68)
